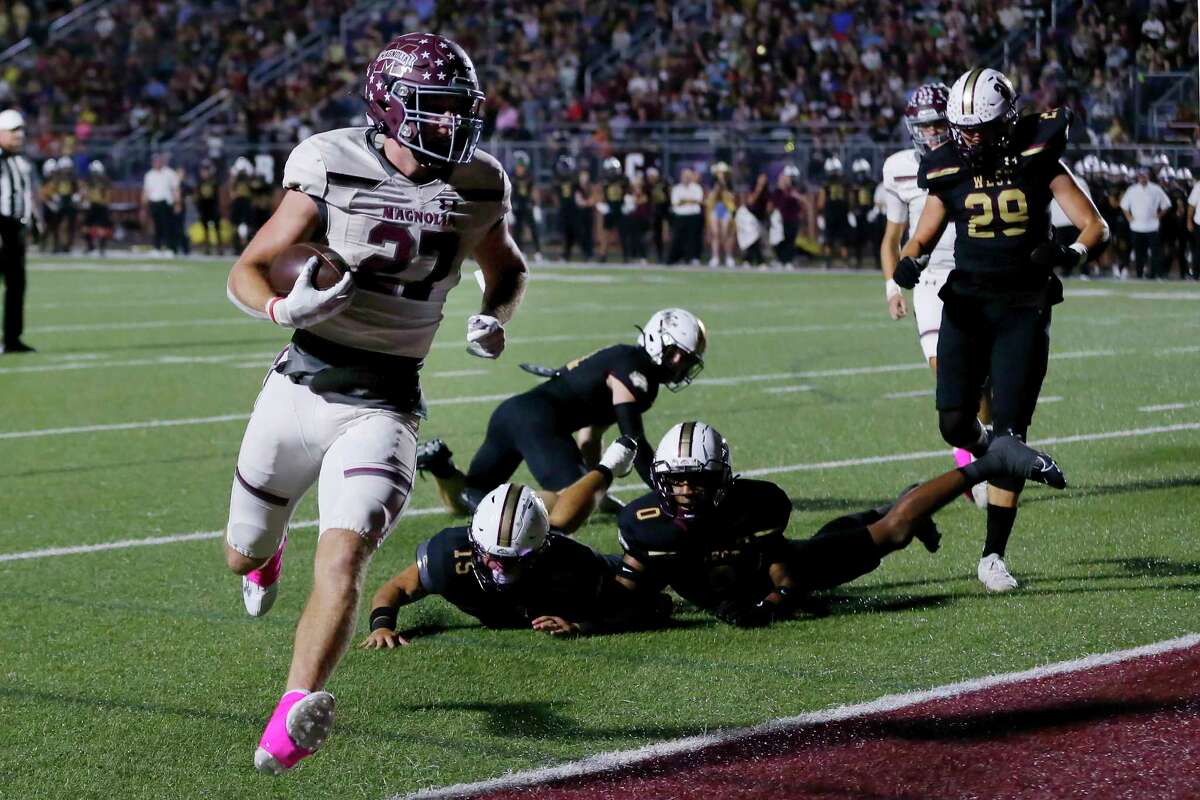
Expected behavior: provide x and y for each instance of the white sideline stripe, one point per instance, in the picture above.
(158, 361)
(174, 423)
(144, 324)
(1054, 398)
(1167, 406)
(842, 371)
(852, 462)
(943, 453)
(1192, 348)
(916, 393)
(803, 387)
(50, 552)
(606, 762)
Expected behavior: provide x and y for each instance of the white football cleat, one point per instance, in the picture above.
(994, 575)
(979, 495)
(261, 586)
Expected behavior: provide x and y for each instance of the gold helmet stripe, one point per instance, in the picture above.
(508, 515)
(685, 439)
(968, 99)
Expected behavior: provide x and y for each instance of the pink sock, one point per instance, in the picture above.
(268, 573)
(275, 739)
(962, 457)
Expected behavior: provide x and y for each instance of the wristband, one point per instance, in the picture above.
(606, 472)
(891, 289)
(383, 617)
(1081, 249)
(271, 309)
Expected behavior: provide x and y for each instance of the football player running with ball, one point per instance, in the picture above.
(995, 185)
(718, 541)
(402, 201)
(616, 384)
(925, 118)
(515, 566)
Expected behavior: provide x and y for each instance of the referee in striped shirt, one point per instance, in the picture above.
(17, 212)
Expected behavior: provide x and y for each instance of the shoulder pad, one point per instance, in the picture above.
(305, 169)
(483, 180)
(646, 531)
(768, 505)
(941, 169)
(1044, 135)
(900, 165)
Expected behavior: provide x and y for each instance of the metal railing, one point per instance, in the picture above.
(1163, 105)
(60, 27)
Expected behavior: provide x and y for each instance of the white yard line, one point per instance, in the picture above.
(605, 762)
(802, 387)
(1169, 406)
(902, 395)
(850, 462)
(140, 325)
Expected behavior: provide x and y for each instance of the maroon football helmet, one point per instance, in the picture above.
(422, 91)
(925, 117)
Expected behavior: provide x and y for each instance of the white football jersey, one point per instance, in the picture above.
(906, 200)
(404, 241)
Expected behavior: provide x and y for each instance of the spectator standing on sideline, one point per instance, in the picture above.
(660, 211)
(564, 171)
(208, 205)
(585, 194)
(687, 233)
(160, 192)
(1193, 226)
(1143, 204)
(183, 240)
(18, 210)
(787, 201)
(720, 206)
(524, 203)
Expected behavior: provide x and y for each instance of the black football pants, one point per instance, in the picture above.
(12, 272)
(981, 338)
(524, 428)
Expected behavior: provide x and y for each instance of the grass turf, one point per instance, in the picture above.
(135, 673)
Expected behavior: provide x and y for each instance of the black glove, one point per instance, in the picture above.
(908, 272)
(1053, 254)
(744, 616)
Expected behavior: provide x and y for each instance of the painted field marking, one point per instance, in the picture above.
(802, 387)
(1169, 406)
(606, 762)
(851, 462)
(1054, 398)
(915, 393)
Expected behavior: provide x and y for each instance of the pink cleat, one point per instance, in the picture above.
(298, 728)
(260, 587)
(977, 494)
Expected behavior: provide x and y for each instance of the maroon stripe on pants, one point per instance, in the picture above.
(261, 494)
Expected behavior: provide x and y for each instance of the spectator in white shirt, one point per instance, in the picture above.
(1144, 204)
(1193, 226)
(687, 205)
(160, 194)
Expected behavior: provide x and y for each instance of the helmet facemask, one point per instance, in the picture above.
(497, 573)
(441, 125)
(680, 364)
(690, 492)
(928, 136)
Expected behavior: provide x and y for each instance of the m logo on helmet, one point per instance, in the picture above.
(398, 62)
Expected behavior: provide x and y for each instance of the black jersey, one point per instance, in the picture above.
(568, 580)
(614, 195)
(724, 556)
(566, 195)
(580, 391)
(837, 197)
(1001, 215)
(522, 190)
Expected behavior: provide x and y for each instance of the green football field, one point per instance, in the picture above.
(133, 671)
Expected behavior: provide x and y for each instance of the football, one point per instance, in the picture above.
(287, 267)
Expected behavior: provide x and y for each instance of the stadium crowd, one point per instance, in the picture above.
(840, 68)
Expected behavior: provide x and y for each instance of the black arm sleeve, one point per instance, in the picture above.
(629, 420)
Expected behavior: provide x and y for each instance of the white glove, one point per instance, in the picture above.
(853, 220)
(485, 336)
(619, 456)
(307, 305)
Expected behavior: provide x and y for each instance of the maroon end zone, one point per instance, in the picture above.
(1125, 730)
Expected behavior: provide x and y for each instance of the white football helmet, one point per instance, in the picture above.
(65, 164)
(96, 167)
(49, 167)
(507, 532)
(241, 166)
(982, 111)
(692, 470)
(861, 167)
(833, 164)
(675, 340)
